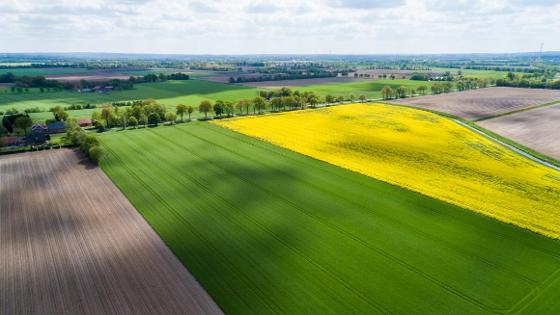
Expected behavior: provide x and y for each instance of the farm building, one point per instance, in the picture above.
(8, 141)
(85, 122)
(39, 128)
(56, 127)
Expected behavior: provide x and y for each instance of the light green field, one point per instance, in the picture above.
(483, 74)
(372, 89)
(169, 93)
(266, 230)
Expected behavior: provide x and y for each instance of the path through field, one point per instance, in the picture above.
(70, 242)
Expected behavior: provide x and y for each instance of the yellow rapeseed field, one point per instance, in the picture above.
(423, 152)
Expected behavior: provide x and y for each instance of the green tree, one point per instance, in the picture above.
(23, 123)
(170, 117)
(219, 108)
(422, 89)
(387, 92)
(362, 98)
(239, 106)
(133, 121)
(205, 107)
(190, 110)
(95, 154)
(259, 104)
(143, 120)
(228, 109)
(329, 99)
(153, 119)
(181, 110)
(59, 113)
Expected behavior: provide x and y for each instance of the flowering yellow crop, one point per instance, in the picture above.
(423, 152)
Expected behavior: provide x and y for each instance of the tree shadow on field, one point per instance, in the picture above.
(234, 234)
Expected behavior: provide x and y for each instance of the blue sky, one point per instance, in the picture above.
(287, 26)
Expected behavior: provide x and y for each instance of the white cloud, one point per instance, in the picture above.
(289, 26)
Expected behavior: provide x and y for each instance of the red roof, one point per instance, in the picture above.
(9, 140)
(84, 122)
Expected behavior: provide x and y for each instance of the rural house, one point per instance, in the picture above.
(39, 128)
(85, 122)
(56, 127)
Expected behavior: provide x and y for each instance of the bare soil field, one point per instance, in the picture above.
(481, 103)
(538, 129)
(301, 82)
(70, 242)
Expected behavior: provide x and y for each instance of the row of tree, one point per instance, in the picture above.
(87, 143)
(528, 81)
(282, 76)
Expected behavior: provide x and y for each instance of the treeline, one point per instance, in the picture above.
(464, 84)
(283, 76)
(21, 82)
(513, 80)
(87, 143)
(152, 77)
(24, 83)
(116, 84)
(403, 91)
(140, 113)
(151, 113)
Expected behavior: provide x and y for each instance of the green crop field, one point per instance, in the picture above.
(372, 89)
(266, 230)
(169, 93)
(487, 74)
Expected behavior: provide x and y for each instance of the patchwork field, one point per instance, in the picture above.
(169, 93)
(266, 230)
(423, 152)
(71, 243)
(481, 103)
(370, 88)
(297, 83)
(538, 129)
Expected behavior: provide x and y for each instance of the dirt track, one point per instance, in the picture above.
(70, 242)
(476, 104)
(538, 129)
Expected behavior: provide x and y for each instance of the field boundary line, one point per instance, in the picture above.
(491, 135)
(352, 201)
(511, 147)
(267, 191)
(557, 102)
(341, 230)
(180, 218)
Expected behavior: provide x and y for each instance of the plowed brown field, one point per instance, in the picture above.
(481, 103)
(70, 242)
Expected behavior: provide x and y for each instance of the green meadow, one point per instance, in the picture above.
(372, 89)
(169, 93)
(267, 231)
(483, 74)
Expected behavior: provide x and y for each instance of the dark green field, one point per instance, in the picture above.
(266, 230)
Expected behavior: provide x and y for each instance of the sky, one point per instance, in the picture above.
(279, 27)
